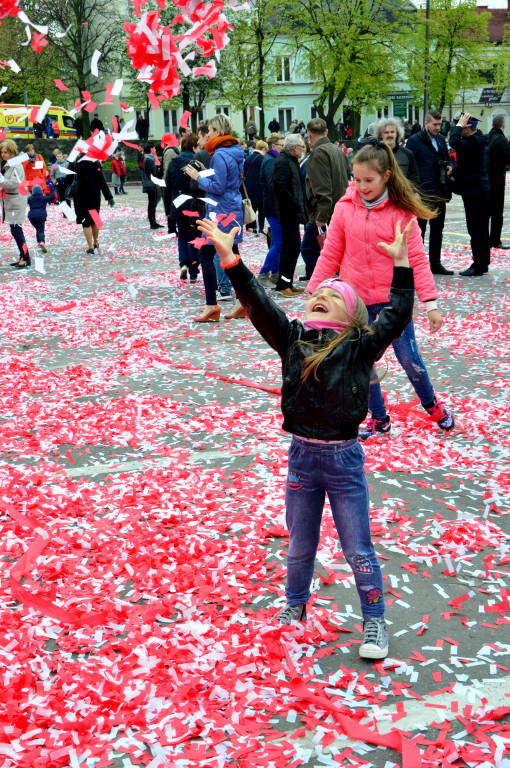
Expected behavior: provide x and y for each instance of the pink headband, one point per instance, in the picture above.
(348, 294)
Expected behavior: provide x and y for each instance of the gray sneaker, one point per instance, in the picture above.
(274, 277)
(375, 639)
(265, 280)
(292, 613)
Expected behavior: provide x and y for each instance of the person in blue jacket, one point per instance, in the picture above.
(223, 200)
(37, 214)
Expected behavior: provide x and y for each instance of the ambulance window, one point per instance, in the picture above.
(68, 121)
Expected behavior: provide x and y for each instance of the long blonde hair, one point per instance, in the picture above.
(400, 191)
(358, 322)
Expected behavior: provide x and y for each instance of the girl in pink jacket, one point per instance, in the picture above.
(364, 217)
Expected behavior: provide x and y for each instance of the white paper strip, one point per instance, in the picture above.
(39, 165)
(181, 199)
(41, 112)
(14, 66)
(18, 160)
(68, 211)
(39, 265)
(159, 182)
(117, 87)
(211, 202)
(67, 171)
(207, 172)
(93, 63)
(3, 89)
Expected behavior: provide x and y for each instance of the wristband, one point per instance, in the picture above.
(232, 263)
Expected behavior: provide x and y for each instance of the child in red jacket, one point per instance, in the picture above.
(366, 215)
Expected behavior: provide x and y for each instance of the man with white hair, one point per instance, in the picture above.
(290, 207)
(498, 160)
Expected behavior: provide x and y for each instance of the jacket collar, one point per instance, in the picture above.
(353, 196)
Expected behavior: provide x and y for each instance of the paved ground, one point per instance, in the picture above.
(141, 486)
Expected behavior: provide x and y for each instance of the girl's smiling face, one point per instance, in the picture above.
(369, 182)
(326, 304)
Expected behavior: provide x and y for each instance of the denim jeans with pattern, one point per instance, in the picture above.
(335, 469)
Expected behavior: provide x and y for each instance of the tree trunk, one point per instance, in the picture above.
(260, 77)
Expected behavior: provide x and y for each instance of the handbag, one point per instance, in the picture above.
(72, 189)
(249, 215)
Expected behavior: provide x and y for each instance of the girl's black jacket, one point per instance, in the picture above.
(333, 407)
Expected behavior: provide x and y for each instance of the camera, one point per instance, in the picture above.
(443, 166)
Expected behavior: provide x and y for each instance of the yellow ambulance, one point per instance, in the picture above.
(17, 125)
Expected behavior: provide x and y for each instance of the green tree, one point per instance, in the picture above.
(348, 48)
(459, 50)
(248, 62)
(37, 69)
(89, 25)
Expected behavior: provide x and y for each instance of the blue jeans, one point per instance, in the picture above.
(310, 250)
(188, 254)
(38, 225)
(272, 260)
(317, 469)
(408, 355)
(222, 278)
(19, 237)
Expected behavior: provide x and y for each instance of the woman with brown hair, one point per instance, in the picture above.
(225, 201)
(14, 204)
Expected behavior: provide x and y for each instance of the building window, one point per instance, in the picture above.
(285, 118)
(166, 121)
(282, 69)
(200, 116)
(222, 111)
(313, 113)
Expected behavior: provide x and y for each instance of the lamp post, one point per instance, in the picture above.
(427, 59)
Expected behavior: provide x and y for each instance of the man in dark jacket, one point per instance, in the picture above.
(434, 167)
(270, 270)
(274, 126)
(142, 127)
(326, 182)
(415, 128)
(498, 160)
(96, 124)
(290, 207)
(472, 182)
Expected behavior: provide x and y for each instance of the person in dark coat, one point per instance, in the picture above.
(415, 128)
(326, 182)
(91, 182)
(390, 130)
(37, 214)
(270, 270)
(78, 126)
(498, 160)
(274, 126)
(434, 168)
(179, 183)
(148, 186)
(252, 166)
(142, 128)
(96, 124)
(472, 183)
(290, 206)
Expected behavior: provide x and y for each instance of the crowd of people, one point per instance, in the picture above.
(363, 248)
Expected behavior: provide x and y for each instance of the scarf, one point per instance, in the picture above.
(220, 141)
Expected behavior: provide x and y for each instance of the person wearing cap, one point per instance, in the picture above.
(498, 160)
(472, 183)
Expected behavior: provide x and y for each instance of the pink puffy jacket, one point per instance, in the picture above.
(351, 245)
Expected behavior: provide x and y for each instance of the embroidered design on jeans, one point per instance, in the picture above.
(373, 596)
(294, 482)
(360, 564)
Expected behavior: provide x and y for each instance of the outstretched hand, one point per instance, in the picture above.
(398, 248)
(222, 241)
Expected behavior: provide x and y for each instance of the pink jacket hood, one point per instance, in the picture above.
(351, 247)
